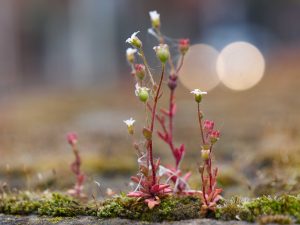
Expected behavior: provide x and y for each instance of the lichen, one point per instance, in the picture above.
(278, 219)
(55, 220)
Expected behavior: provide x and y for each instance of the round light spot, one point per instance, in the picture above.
(240, 66)
(199, 68)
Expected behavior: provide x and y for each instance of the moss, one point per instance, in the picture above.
(171, 208)
(25, 203)
(287, 205)
(60, 205)
(282, 208)
(233, 209)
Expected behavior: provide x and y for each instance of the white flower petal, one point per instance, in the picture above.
(129, 122)
(198, 92)
(154, 15)
(131, 51)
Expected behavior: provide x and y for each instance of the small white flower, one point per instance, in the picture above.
(130, 54)
(162, 52)
(161, 47)
(132, 38)
(198, 92)
(154, 15)
(130, 51)
(138, 89)
(129, 122)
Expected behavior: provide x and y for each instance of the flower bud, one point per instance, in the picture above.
(147, 134)
(201, 169)
(205, 154)
(184, 45)
(162, 52)
(155, 19)
(134, 40)
(72, 138)
(208, 125)
(130, 125)
(172, 83)
(142, 93)
(130, 55)
(140, 71)
(214, 136)
(198, 94)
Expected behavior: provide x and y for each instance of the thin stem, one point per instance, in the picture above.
(147, 66)
(200, 124)
(152, 125)
(203, 188)
(209, 169)
(171, 106)
(180, 64)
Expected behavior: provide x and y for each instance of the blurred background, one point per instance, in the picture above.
(63, 68)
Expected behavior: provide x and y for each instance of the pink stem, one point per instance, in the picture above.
(150, 147)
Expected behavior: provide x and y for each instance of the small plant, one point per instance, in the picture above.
(75, 168)
(166, 116)
(148, 179)
(149, 92)
(210, 194)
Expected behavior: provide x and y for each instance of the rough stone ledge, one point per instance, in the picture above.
(88, 220)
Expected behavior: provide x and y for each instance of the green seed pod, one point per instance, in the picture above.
(198, 98)
(205, 154)
(162, 52)
(143, 94)
(147, 134)
(136, 42)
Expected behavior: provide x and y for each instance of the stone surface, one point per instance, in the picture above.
(36, 220)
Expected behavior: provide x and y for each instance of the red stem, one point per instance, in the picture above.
(150, 147)
(203, 188)
(76, 169)
(180, 65)
(209, 169)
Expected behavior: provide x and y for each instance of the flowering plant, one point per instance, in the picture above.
(150, 187)
(210, 194)
(76, 191)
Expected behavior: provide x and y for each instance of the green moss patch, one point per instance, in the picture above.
(251, 210)
(54, 204)
(171, 208)
(282, 208)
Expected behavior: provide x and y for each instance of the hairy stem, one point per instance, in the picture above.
(147, 66)
(180, 64)
(200, 124)
(150, 146)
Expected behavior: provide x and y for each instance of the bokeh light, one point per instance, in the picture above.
(199, 68)
(240, 66)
